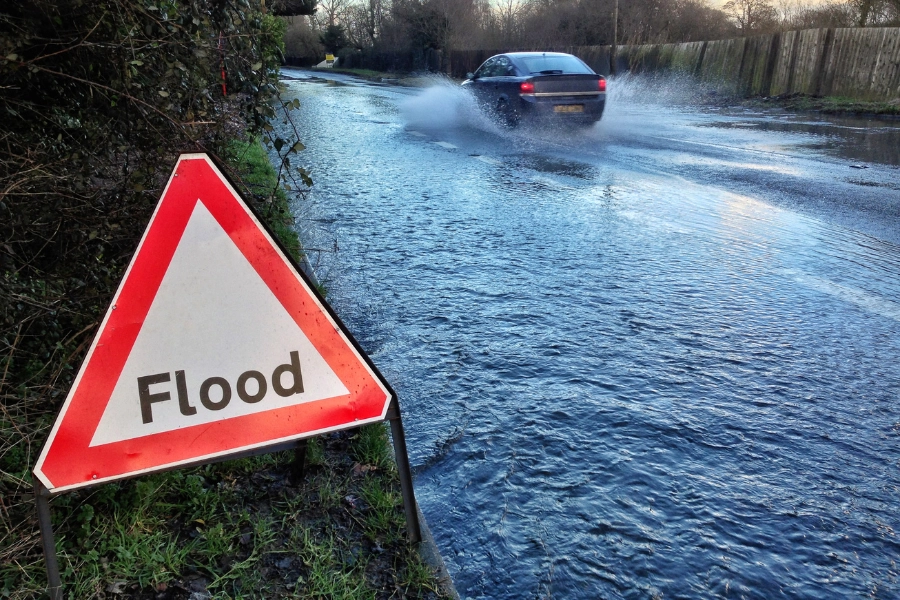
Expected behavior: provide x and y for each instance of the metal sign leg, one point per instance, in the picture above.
(42, 499)
(406, 487)
(298, 465)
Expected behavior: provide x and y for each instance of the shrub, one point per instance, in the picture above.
(96, 101)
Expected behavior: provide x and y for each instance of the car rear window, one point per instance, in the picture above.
(562, 64)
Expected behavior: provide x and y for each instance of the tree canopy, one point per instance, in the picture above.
(417, 25)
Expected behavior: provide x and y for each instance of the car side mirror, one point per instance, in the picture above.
(470, 75)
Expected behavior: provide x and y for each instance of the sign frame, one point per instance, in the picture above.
(297, 443)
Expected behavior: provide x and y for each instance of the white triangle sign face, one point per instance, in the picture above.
(214, 344)
(216, 334)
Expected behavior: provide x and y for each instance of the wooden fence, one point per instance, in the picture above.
(861, 63)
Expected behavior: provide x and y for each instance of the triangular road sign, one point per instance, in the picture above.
(214, 344)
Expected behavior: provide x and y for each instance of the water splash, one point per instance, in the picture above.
(666, 89)
(444, 105)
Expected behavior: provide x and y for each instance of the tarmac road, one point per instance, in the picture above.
(654, 358)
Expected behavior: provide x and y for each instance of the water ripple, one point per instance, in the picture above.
(616, 384)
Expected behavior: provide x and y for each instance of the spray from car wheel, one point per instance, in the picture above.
(442, 106)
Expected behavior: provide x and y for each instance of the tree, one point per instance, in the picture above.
(363, 22)
(696, 20)
(508, 21)
(333, 38)
(330, 12)
(876, 12)
(424, 23)
(302, 42)
(752, 16)
(293, 8)
(804, 14)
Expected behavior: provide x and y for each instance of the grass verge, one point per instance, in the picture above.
(238, 529)
(832, 105)
(365, 73)
(404, 79)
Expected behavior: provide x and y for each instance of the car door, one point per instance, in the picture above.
(504, 82)
(483, 84)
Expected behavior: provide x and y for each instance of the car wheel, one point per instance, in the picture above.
(508, 115)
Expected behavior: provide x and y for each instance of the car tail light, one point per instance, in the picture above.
(526, 87)
(602, 83)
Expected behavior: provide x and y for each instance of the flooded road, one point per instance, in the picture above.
(657, 358)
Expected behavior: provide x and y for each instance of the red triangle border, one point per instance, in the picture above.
(67, 461)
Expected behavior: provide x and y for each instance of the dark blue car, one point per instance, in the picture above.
(544, 85)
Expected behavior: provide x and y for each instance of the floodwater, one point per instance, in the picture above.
(656, 359)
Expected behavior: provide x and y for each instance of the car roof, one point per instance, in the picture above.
(525, 54)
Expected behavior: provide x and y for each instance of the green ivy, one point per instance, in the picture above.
(97, 99)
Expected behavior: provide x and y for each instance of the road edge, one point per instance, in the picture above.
(430, 554)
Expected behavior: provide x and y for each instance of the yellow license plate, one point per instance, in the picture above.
(568, 108)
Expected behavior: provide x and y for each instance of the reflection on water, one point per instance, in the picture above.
(868, 139)
(557, 166)
(616, 385)
(859, 138)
